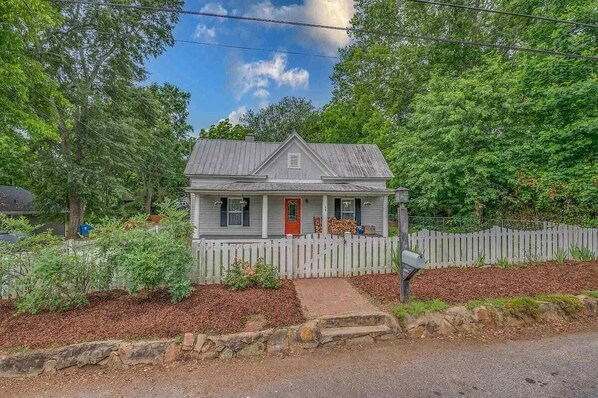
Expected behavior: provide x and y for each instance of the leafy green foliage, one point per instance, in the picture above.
(475, 132)
(591, 293)
(45, 274)
(582, 253)
(224, 130)
(503, 263)
(568, 302)
(242, 275)
(417, 307)
(277, 121)
(560, 256)
(149, 259)
(496, 302)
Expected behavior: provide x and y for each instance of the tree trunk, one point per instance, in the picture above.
(148, 201)
(75, 215)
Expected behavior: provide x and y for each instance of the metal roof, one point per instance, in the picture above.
(289, 187)
(215, 157)
(16, 200)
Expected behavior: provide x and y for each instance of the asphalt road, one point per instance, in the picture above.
(561, 366)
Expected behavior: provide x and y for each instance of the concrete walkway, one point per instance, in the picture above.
(330, 296)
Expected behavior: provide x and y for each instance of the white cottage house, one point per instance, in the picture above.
(250, 189)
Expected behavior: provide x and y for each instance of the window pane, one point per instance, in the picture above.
(234, 204)
(348, 216)
(348, 205)
(234, 218)
(292, 211)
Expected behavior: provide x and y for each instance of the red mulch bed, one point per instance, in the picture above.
(458, 285)
(117, 315)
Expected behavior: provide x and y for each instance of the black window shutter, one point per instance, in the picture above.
(337, 208)
(358, 211)
(223, 212)
(246, 213)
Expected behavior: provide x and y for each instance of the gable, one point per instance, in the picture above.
(310, 166)
(278, 166)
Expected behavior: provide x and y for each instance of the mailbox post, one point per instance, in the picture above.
(402, 198)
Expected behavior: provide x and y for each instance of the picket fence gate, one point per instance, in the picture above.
(317, 255)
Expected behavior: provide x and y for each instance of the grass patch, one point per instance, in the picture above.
(517, 306)
(498, 302)
(568, 302)
(591, 293)
(417, 307)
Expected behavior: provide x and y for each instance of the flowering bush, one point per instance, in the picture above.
(243, 275)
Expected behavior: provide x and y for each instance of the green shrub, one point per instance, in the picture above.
(582, 253)
(57, 282)
(480, 261)
(147, 259)
(522, 306)
(242, 275)
(503, 263)
(417, 307)
(568, 302)
(44, 274)
(560, 256)
(591, 293)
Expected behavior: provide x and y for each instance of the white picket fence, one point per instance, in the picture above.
(317, 255)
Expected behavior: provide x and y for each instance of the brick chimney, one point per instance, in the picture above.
(249, 137)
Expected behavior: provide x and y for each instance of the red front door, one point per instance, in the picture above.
(292, 216)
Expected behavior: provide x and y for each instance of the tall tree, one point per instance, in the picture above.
(96, 55)
(224, 129)
(277, 121)
(25, 89)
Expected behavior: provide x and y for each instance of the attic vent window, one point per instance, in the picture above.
(294, 160)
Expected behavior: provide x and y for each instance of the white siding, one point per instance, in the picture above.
(209, 217)
(278, 168)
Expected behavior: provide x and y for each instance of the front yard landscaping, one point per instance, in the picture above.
(460, 285)
(118, 315)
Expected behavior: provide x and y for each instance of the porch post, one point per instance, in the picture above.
(264, 216)
(325, 214)
(195, 215)
(385, 217)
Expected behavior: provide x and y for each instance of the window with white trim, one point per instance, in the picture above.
(294, 160)
(348, 209)
(235, 211)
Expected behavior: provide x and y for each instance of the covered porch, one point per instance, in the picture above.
(267, 210)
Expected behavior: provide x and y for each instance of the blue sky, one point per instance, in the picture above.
(225, 82)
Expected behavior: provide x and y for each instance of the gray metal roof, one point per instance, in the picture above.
(290, 187)
(15, 200)
(241, 158)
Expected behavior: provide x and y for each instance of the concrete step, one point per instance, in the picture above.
(355, 319)
(344, 333)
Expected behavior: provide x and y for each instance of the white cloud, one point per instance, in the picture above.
(214, 8)
(324, 12)
(203, 32)
(206, 32)
(258, 75)
(236, 115)
(261, 93)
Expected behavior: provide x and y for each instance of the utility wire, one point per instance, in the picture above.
(513, 14)
(331, 27)
(256, 49)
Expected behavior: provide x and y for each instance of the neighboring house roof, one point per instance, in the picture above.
(214, 157)
(16, 200)
(291, 187)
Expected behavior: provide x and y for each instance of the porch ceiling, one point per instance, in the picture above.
(290, 187)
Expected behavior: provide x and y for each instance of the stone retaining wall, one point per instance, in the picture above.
(312, 334)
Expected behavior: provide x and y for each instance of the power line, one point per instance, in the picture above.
(256, 49)
(331, 27)
(513, 14)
